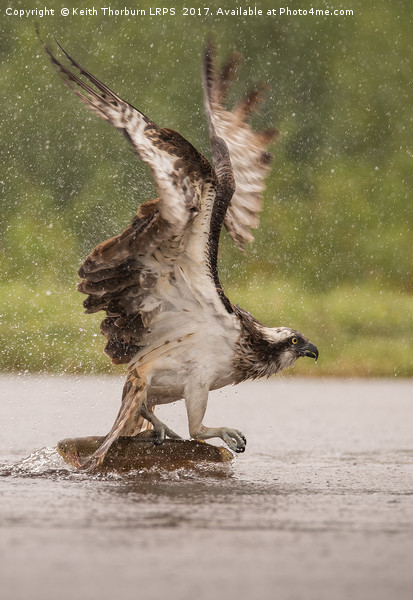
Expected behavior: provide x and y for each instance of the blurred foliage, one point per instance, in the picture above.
(360, 332)
(338, 213)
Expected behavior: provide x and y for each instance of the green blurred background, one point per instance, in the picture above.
(333, 254)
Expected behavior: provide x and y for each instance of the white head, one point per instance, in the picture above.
(285, 345)
(263, 351)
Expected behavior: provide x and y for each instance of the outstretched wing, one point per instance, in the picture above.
(136, 275)
(247, 148)
(180, 172)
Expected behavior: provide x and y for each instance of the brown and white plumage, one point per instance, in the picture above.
(248, 149)
(166, 313)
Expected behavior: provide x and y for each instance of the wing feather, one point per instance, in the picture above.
(247, 148)
(136, 277)
(181, 173)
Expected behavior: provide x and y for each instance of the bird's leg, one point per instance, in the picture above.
(160, 430)
(196, 398)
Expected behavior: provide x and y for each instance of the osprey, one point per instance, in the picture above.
(166, 313)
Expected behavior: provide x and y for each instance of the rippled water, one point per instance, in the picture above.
(319, 506)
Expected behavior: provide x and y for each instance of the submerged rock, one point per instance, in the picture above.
(134, 453)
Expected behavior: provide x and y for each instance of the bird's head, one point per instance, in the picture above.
(263, 351)
(285, 345)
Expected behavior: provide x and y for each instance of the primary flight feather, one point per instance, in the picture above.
(167, 315)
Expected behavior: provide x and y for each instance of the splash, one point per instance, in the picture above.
(47, 463)
(42, 462)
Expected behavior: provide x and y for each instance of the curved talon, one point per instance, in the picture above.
(159, 434)
(159, 437)
(235, 440)
(160, 431)
(243, 447)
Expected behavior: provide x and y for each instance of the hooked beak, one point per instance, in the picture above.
(309, 350)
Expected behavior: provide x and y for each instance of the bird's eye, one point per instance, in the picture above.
(294, 340)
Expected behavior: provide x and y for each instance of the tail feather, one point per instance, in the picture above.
(128, 422)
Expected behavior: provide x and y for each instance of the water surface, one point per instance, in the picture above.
(319, 506)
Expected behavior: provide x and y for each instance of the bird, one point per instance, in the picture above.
(167, 315)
